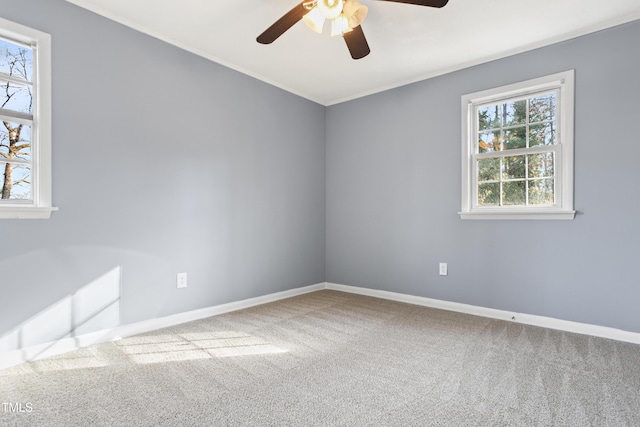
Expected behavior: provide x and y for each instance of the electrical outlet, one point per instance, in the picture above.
(181, 280)
(443, 269)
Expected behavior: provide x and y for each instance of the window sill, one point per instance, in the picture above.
(16, 212)
(518, 215)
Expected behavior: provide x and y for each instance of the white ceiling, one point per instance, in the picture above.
(408, 43)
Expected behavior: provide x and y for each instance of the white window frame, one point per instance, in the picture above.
(563, 83)
(40, 207)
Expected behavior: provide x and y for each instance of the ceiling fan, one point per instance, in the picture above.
(345, 17)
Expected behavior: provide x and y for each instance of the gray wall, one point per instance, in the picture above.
(164, 162)
(393, 193)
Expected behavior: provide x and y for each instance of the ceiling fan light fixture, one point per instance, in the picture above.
(345, 16)
(340, 25)
(330, 9)
(354, 12)
(314, 20)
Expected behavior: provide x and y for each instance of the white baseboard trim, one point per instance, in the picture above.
(65, 345)
(528, 319)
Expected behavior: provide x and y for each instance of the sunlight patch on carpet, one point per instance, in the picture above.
(193, 346)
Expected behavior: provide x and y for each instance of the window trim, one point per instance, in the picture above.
(41, 205)
(562, 82)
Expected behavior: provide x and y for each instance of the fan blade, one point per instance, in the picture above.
(357, 43)
(430, 3)
(283, 24)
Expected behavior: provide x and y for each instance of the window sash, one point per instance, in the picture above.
(557, 171)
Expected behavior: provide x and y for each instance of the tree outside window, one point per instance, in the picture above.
(16, 105)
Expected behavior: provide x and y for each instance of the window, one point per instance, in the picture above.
(25, 122)
(517, 150)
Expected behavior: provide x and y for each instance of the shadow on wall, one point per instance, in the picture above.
(92, 308)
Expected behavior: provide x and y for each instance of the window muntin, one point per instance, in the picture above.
(25, 122)
(518, 150)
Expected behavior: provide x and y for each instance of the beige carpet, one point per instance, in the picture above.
(331, 358)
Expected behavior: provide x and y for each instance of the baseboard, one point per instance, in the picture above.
(528, 319)
(66, 345)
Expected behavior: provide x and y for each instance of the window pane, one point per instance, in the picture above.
(513, 193)
(515, 113)
(541, 192)
(16, 60)
(515, 138)
(489, 117)
(15, 141)
(489, 170)
(15, 97)
(489, 141)
(542, 134)
(542, 108)
(489, 194)
(541, 165)
(514, 167)
(15, 181)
